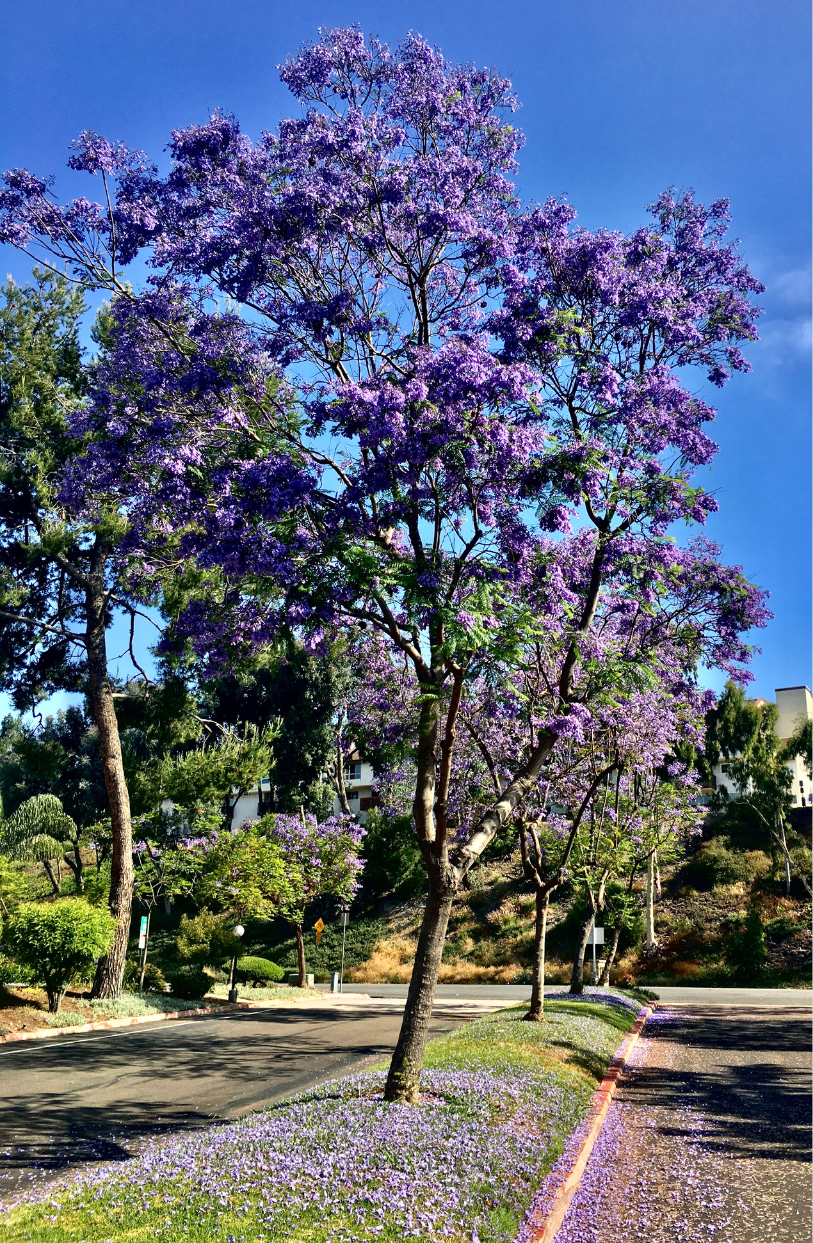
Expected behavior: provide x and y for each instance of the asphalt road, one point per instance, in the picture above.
(94, 1097)
(510, 994)
(709, 1136)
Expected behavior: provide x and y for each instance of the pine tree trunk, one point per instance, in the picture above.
(577, 976)
(110, 969)
(403, 1080)
(300, 954)
(536, 1013)
(605, 975)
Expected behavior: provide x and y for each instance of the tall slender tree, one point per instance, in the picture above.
(58, 573)
(426, 380)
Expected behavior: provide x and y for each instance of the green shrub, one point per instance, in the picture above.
(715, 864)
(154, 981)
(11, 972)
(58, 940)
(745, 952)
(393, 861)
(190, 983)
(206, 939)
(259, 969)
(783, 926)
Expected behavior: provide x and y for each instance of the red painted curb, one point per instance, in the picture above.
(544, 1227)
(220, 1007)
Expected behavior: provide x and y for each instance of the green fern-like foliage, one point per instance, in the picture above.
(38, 830)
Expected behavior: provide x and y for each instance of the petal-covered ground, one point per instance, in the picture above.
(339, 1165)
(708, 1138)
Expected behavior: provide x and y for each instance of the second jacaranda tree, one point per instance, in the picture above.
(365, 386)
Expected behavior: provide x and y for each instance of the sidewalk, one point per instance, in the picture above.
(708, 1137)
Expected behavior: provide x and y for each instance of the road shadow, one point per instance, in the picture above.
(263, 1056)
(744, 1078)
(789, 1030)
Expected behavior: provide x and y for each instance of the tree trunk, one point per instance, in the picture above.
(536, 1013)
(786, 854)
(49, 872)
(300, 954)
(577, 976)
(605, 975)
(649, 941)
(403, 1080)
(110, 969)
(75, 864)
(55, 994)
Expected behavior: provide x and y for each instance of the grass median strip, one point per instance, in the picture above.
(338, 1165)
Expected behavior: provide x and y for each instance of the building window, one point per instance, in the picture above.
(352, 772)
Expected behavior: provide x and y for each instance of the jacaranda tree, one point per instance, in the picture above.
(363, 383)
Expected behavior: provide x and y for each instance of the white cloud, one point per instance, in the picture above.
(782, 340)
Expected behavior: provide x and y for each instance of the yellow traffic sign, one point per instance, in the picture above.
(319, 925)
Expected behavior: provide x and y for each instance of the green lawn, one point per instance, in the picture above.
(338, 1165)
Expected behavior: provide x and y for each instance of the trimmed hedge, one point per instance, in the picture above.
(259, 969)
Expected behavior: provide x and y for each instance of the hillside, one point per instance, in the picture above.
(491, 931)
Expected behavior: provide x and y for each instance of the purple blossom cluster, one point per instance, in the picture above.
(485, 372)
(323, 855)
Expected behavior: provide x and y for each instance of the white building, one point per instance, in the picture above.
(795, 705)
(252, 805)
(358, 782)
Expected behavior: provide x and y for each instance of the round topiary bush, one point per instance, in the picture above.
(260, 970)
(190, 983)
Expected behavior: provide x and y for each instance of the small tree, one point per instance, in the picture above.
(39, 830)
(746, 951)
(744, 732)
(206, 940)
(246, 875)
(57, 940)
(321, 860)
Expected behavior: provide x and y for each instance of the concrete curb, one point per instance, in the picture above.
(219, 1007)
(542, 1225)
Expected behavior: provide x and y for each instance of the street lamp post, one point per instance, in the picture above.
(238, 932)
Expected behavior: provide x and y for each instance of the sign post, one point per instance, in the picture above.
(596, 938)
(143, 941)
(345, 921)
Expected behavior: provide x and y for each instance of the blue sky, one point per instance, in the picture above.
(619, 100)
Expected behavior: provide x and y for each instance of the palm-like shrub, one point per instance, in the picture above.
(39, 830)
